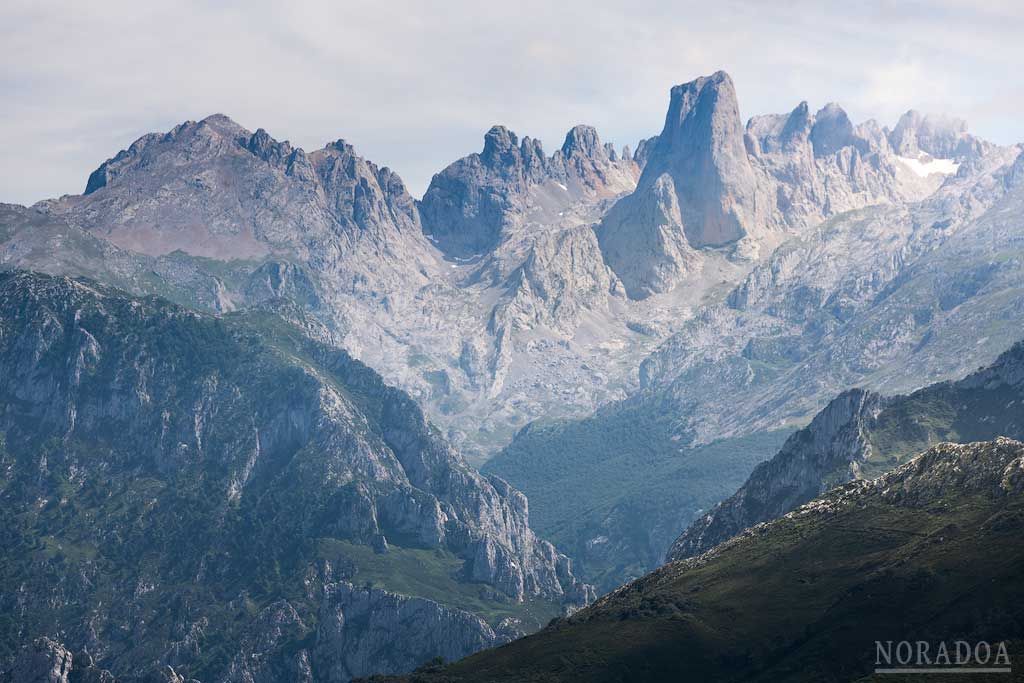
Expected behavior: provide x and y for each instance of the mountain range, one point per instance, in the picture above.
(264, 414)
(890, 297)
(522, 285)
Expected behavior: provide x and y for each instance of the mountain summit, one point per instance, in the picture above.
(697, 190)
(482, 199)
(709, 183)
(700, 150)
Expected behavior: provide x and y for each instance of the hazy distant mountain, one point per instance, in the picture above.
(710, 183)
(922, 554)
(481, 200)
(212, 215)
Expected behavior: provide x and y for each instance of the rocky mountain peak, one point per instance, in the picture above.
(267, 148)
(642, 153)
(697, 190)
(701, 147)
(583, 140)
(703, 113)
(477, 200)
(832, 130)
(779, 133)
(212, 188)
(340, 145)
(221, 122)
(798, 125)
(938, 136)
(498, 141)
(204, 138)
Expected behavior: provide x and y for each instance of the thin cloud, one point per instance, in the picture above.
(414, 85)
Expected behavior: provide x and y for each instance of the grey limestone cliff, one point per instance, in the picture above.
(199, 467)
(482, 199)
(710, 182)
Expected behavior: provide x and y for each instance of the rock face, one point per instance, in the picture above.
(234, 455)
(697, 190)
(939, 137)
(562, 278)
(887, 556)
(889, 297)
(825, 453)
(356, 626)
(708, 182)
(700, 155)
(479, 200)
(212, 188)
(43, 661)
(860, 434)
(822, 164)
(872, 298)
(357, 633)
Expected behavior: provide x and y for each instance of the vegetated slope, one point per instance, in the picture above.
(930, 551)
(229, 496)
(613, 493)
(861, 434)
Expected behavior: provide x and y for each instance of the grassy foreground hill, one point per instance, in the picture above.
(931, 552)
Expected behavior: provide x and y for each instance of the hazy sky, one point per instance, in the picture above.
(414, 85)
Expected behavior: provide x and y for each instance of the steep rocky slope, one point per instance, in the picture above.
(890, 297)
(928, 552)
(205, 493)
(697, 190)
(707, 182)
(886, 297)
(860, 434)
(211, 188)
(482, 200)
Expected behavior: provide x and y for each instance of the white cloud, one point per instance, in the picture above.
(414, 85)
(891, 85)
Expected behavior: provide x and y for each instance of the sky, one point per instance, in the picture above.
(415, 85)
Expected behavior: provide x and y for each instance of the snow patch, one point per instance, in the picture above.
(925, 166)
